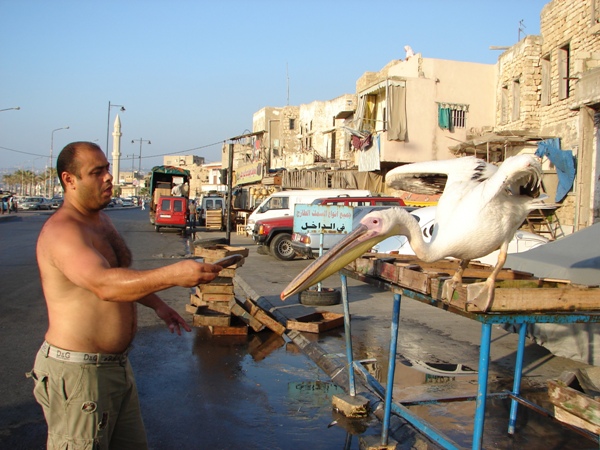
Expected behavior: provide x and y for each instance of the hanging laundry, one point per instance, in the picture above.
(564, 162)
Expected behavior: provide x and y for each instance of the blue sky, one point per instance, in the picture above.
(191, 73)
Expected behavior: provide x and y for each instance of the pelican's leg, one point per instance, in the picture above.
(450, 285)
(490, 283)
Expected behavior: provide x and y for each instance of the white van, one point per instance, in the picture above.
(282, 203)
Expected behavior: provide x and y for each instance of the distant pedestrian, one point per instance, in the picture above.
(192, 213)
(143, 204)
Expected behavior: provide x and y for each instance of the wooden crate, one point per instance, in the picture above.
(212, 288)
(236, 328)
(208, 317)
(214, 219)
(214, 252)
(214, 297)
(316, 322)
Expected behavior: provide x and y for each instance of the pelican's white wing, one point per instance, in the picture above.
(431, 177)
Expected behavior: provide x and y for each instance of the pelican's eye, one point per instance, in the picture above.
(375, 221)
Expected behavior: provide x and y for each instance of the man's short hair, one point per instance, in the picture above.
(67, 159)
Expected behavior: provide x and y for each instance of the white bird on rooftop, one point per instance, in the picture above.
(481, 208)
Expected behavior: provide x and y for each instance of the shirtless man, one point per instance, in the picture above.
(83, 379)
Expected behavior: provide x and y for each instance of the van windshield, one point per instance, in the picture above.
(276, 203)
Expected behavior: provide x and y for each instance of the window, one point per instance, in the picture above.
(516, 103)
(563, 72)
(504, 105)
(292, 124)
(546, 78)
(459, 118)
(452, 115)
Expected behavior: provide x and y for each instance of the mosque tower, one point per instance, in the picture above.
(116, 153)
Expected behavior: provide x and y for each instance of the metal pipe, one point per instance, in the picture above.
(348, 336)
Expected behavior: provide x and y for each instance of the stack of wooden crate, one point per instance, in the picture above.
(214, 219)
(215, 306)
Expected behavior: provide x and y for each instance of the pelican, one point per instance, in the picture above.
(479, 211)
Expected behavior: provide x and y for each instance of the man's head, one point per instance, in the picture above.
(82, 168)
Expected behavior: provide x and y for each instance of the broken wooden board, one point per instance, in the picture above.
(264, 317)
(573, 406)
(249, 319)
(316, 322)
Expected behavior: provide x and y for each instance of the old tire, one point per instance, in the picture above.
(281, 247)
(325, 297)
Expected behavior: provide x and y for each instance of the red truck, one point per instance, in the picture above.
(274, 236)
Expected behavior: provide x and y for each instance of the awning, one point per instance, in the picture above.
(497, 141)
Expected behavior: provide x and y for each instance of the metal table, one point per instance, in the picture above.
(486, 320)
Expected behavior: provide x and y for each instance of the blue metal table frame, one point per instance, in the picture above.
(486, 320)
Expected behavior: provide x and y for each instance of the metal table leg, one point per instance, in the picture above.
(391, 369)
(482, 378)
(517, 378)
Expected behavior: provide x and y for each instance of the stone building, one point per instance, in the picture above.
(542, 89)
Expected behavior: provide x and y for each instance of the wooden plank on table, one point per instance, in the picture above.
(264, 317)
(237, 310)
(571, 299)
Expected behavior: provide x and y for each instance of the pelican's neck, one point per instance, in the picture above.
(411, 229)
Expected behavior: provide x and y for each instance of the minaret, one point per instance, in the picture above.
(116, 153)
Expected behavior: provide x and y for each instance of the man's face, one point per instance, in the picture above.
(93, 184)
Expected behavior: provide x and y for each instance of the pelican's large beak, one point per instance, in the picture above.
(347, 250)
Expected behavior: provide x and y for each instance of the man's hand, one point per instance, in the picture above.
(173, 320)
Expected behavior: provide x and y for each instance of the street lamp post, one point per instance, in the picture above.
(108, 123)
(51, 151)
(16, 108)
(140, 158)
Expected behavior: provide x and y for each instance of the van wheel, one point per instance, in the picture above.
(325, 297)
(281, 247)
(156, 228)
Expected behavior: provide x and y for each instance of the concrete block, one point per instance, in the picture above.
(350, 406)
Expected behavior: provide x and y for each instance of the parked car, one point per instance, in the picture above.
(523, 240)
(274, 236)
(35, 203)
(56, 202)
(127, 202)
